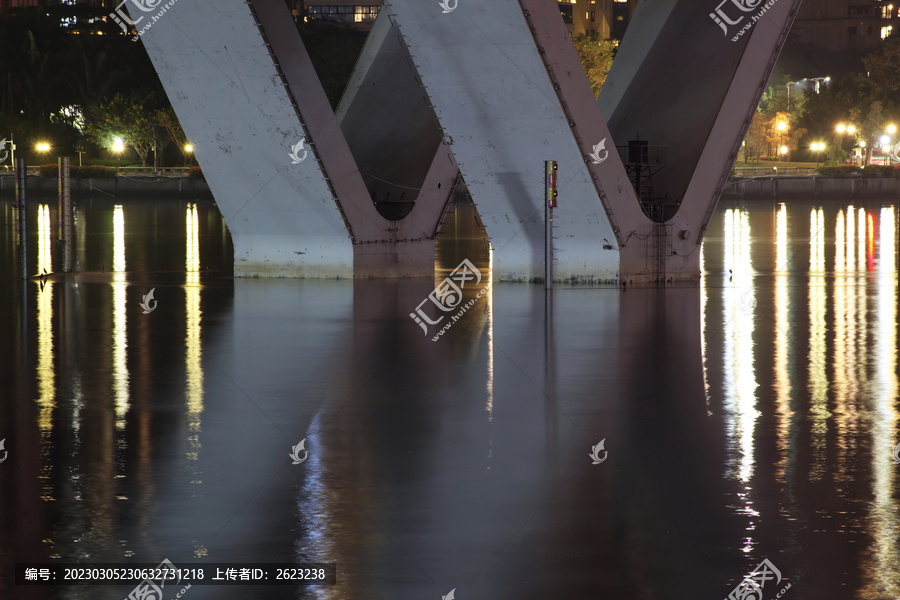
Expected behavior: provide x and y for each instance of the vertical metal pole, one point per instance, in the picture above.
(66, 208)
(22, 222)
(550, 168)
(548, 281)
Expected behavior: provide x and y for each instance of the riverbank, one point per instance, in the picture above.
(137, 186)
(787, 187)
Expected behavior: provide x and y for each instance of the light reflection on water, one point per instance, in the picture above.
(459, 463)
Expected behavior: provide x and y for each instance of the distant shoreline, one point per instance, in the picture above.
(786, 187)
(133, 186)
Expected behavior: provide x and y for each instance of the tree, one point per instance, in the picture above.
(125, 118)
(169, 122)
(596, 57)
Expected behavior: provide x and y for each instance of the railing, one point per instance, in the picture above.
(773, 171)
(124, 171)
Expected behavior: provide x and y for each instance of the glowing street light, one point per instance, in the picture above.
(188, 148)
(841, 128)
(851, 129)
(118, 145)
(892, 129)
(817, 147)
(42, 147)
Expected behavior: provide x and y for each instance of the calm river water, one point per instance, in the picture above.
(753, 417)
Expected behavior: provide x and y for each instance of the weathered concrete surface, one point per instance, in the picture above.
(494, 100)
(680, 81)
(234, 109)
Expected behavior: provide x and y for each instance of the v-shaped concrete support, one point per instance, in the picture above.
(689, 76)
(246, 93)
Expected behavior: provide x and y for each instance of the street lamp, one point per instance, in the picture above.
(188, 149)
(862, 149)
(788, 87)
(818, 147)
(118, 147)
(42, 147)
(818, 79)
(782, 127)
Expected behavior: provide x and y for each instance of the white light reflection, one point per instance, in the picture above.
(192, 342)
(46, 374)
(740, 387)
(119, 335)
(818, 379)
(782, 346)
(881, 565)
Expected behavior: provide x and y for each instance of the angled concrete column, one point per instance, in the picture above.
(236, 113)
(686, 81)
(502, 119)
(391, 131)
(245, 92)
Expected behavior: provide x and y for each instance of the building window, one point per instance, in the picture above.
(886, 31)
(858, 9)
(886, 11)
(851, 31)
(593, 16)
(365, 14)
(566, 12)
(345, 14)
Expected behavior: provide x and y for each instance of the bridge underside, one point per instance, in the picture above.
(483, 95)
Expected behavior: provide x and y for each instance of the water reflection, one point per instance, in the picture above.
(786, 436)
(464, 462)
(740, 387)
(193, 346)
(818, 379)
(119, 341)
(881, 574)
